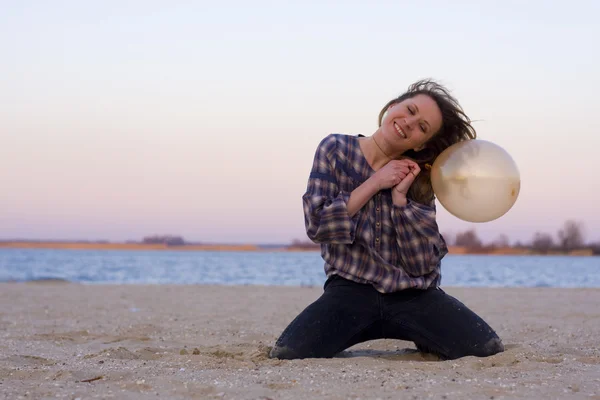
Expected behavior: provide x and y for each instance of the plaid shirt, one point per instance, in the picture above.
(391, 247)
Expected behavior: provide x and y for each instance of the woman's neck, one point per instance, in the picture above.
(377, 152)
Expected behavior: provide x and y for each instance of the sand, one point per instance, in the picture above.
(71, 341)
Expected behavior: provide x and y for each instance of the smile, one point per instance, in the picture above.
(399, 130)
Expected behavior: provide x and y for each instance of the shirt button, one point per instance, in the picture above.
(377, 224)
(377, 239)
(377, 209)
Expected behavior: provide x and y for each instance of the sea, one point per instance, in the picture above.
(95, 267)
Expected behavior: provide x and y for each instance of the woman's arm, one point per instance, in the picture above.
(361, 196)
(330, 214)
(420, 243)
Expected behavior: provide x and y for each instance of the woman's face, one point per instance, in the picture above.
(412, 122)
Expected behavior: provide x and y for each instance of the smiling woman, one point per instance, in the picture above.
(429, 120)
(372, 210)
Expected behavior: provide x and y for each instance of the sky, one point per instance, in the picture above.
(122, 119)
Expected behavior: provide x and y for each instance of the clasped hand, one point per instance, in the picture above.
(398, 175)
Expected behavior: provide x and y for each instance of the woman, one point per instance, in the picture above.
(370, 204)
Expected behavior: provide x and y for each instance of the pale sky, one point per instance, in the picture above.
(120, 119)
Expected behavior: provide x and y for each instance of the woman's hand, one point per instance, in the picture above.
(392, 174)
(401, 189)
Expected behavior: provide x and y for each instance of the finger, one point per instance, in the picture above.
(412, 163)
(410, 177)
(413, 174)
(399, 163)
(414, 168)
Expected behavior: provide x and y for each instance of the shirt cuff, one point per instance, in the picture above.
(415, 207)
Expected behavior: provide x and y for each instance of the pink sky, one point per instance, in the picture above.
(200, 122)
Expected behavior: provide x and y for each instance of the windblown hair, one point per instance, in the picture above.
(456, 127)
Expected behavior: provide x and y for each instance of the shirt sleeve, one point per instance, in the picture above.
(325, 204)
(421, 245)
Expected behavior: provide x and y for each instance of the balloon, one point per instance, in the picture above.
(476, 180)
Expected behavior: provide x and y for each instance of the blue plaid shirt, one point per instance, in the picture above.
(391, 247)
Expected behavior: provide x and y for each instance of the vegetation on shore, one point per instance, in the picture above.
(569, 240)
(155, 242)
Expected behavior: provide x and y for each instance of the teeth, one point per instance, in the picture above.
(400, 131)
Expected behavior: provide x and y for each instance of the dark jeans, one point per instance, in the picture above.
(349, 313)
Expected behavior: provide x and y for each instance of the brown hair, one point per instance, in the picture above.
(456, 127)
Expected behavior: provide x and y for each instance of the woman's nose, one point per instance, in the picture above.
(410, 122)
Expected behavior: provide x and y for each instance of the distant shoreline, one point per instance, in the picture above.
(125, 246)
(247, 247)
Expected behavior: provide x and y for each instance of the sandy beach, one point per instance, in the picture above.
(72, 341)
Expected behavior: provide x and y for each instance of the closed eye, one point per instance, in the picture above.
(411, 111)
(424, 125)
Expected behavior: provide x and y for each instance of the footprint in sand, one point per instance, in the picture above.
(123, 353)
(25, 360)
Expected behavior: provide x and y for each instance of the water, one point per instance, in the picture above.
(275, 268)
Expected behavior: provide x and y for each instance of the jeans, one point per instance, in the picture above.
(348, 313)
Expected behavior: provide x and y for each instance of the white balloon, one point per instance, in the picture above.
(476, 180)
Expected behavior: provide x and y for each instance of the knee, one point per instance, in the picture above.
(283, 353)
(489, 348)
(492, 346)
